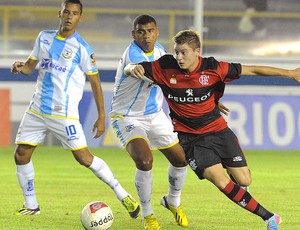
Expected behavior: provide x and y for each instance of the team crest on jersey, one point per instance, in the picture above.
(67, 54)
(93, 59)
(173, 79)
(203, 79)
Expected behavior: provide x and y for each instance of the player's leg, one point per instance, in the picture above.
(100, 169)
(233, 158)
(25, 175)
(132, 133)
(23, 154)
(104, 173)
(142, 156)
(177, 172)
(71, 135)
(240, 175)
(162, 137)
(205, 160)
(235, 193)
(31, 132)
(235, 181)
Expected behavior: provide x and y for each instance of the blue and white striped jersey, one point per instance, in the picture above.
(132, 96)
(63, 63)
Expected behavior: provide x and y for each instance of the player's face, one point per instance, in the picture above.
(145, 36)
(70, 16)
(186, 57)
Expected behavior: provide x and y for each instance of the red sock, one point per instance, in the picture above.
(243, 198)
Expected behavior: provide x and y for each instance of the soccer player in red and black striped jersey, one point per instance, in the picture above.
(190, 84)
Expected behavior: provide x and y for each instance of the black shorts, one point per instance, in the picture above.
(203, 151)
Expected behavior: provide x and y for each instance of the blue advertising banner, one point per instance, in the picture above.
(265, 121)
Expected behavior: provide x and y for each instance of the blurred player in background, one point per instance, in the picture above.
(188, 82)
(141, 124)
(65, 60)
(250, 24)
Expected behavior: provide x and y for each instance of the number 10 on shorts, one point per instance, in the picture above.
(70, 130)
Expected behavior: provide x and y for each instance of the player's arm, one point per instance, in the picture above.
(136, 70)
(25, 68)
(270, 71)
(223, 109)
(99, 125)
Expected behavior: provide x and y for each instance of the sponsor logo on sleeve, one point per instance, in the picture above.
(93, 59)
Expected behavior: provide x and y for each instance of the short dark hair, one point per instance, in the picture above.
(192, 38)
(73, 2)
(143, 19)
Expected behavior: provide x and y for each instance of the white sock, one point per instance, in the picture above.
(177, 177)
(143, 184)
(103, 172)
(25, 175)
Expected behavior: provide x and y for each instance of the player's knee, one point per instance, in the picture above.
(144, 164)
(245, 181)
(23, 154)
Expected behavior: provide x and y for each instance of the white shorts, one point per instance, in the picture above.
(156, 129)
(34, 128)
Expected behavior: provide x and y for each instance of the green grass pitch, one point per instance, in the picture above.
(63, 187)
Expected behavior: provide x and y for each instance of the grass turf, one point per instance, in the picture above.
(63, 187)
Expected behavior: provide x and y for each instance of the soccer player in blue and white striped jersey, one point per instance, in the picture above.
(142, 126)
(65, 59)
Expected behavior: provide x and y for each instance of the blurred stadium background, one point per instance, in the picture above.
(265, 113)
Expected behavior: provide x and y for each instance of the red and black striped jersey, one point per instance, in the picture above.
(192, 96)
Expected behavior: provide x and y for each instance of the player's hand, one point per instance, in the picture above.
(99, 128)
(295, 74)
(223, 108)
(136, 70)
(17, 67)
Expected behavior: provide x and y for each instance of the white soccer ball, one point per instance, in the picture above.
(96, 216)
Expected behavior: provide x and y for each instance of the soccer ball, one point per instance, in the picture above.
(96, 216)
